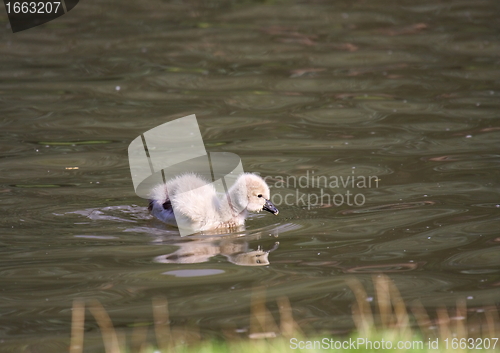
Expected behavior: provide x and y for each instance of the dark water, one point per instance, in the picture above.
(405, 92)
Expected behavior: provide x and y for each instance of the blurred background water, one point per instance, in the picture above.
(405, 91)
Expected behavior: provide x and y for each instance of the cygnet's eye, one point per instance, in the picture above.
(259, 195)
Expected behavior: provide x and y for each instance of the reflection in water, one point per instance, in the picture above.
(235, 248)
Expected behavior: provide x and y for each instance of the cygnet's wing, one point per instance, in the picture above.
(167, 205)
(195, 200)
(160, 205)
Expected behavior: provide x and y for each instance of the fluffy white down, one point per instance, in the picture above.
(195, 200)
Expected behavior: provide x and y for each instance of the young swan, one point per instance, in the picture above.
(196, 202)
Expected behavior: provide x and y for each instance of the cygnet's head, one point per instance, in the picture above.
(252, 194)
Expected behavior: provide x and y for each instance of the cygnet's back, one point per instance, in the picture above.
(197, 206)
(194, 199)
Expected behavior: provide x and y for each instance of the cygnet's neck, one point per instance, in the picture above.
(234, 204)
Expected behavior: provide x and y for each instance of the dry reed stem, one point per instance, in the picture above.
(490, 323)
(257, 320)
(444, 323)
(107, 330)
(400, 310)
(261, 317)
(122, 340)
(77, 325)
(364, 321)
(193, 333)
(422, 318)
(139, 336)
(358, 319)
(491, 318)
(289, 328)
(461, 319)
(381, 284)
(162, 323)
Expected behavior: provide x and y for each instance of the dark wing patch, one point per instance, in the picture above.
(167, 205)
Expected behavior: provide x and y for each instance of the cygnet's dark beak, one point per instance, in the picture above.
(269, 207)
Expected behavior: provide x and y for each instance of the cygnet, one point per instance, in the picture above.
(199, 208)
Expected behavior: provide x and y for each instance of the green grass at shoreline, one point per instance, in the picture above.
(387, 341)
